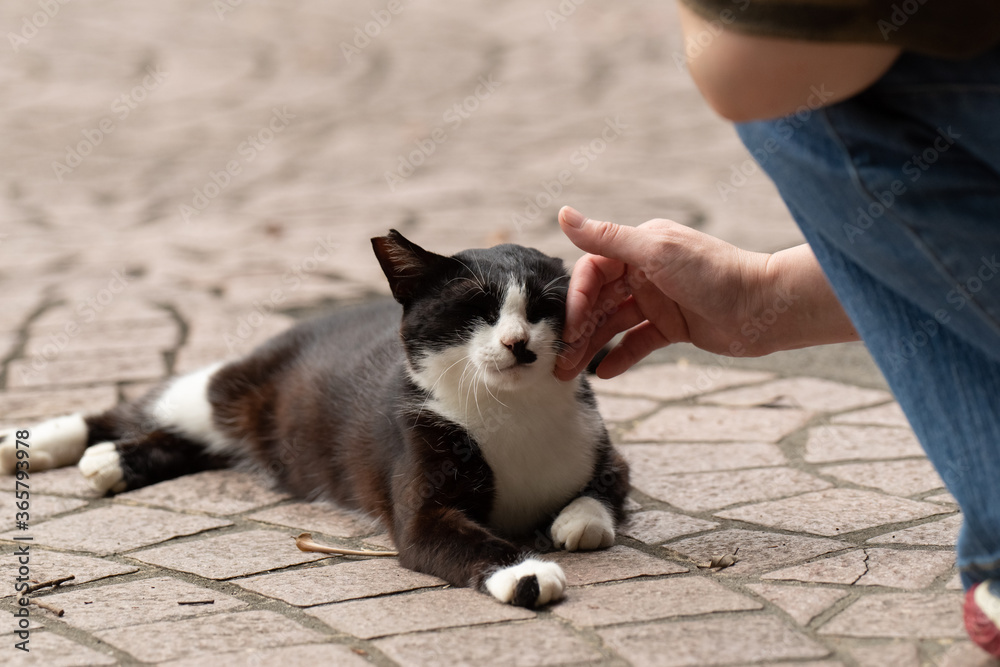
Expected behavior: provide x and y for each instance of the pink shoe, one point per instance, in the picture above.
(982, 615)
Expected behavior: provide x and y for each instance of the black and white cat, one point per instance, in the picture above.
(442, 418)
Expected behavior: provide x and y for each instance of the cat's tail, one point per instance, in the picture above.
(167, 433)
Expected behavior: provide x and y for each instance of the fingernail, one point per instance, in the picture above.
(572, 217)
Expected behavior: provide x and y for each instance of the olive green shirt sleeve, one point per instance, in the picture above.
(948, 28)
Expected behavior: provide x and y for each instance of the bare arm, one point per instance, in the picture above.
(745, 77)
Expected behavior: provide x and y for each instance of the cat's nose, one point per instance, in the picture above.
(520, 350)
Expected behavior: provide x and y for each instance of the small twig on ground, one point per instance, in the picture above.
(304, 543)
(195, 602)
(46, 584)
(54, 609)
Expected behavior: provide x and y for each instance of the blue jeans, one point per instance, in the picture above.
(897, 191)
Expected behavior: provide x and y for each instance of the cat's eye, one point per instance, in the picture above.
(481, 304)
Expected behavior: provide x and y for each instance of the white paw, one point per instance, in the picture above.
(101, 465)
(54, 443)
(584, 524)
(531, 577)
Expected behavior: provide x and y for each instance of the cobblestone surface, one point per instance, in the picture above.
(184, 179)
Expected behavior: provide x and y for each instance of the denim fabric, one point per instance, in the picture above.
(898, 192)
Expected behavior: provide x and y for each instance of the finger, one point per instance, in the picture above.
(575, 359)
(635, 346)
(599, 329)
(590, 275)
(601, 306)
(621, 242)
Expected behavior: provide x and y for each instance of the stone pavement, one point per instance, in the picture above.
(183, 179)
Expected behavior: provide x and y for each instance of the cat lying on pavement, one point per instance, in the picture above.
(438, 414)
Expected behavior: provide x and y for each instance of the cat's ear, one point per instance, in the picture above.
(406, 265)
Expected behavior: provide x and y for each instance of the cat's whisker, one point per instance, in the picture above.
(495, 398)
(477, 276)
(476, 386)
(468, 367)
(440, 377)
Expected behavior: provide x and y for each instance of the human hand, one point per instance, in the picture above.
(661, 283)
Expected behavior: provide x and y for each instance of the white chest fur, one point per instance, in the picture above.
(539, 440)
(541, 447)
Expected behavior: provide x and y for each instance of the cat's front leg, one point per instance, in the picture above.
(530, 583)
(588, 522)
(448, 544)
(584, 524)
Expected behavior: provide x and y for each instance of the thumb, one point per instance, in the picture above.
(621, 242)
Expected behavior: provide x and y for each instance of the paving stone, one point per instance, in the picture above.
(617, 409)
(309, 654)
(47, 649)
(658, 460)
(232, 555)
(841, 569)
(380, 542)
(194, 357)
(757, 551)
(833, 511)
(219, 633)
(617, 563)
(631, 505)
(708, 423)
(955, 583)
(897, 654)
(943, 497)
(712, 641)
(632, 601)
(667, 382)
(657, 526)
(896, 568)
(32, 406)
(807, 393)
(140, 365)
(41, 507)
(827, 444)
(527, 644)
(903, 615)
(700, 492)
(900, 478)
(421, 611)
(213, 491)
(318, 517)
(8, 340)
(116, 529)
(965, 654)
(936, 533)
(59, 481)
(811, 663)
(48, 565)
(803, 603)
(338, 582)
(873, 567)
(119, 314)
(889, 414)
(133, 391)
(139, 602)
(160, 334)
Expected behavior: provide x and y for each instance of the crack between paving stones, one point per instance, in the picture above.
(860, 576)
(24, 333)
(183, 330)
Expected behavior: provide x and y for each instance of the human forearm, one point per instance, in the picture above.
(798, 308)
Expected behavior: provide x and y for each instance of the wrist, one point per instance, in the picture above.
(800, 304)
